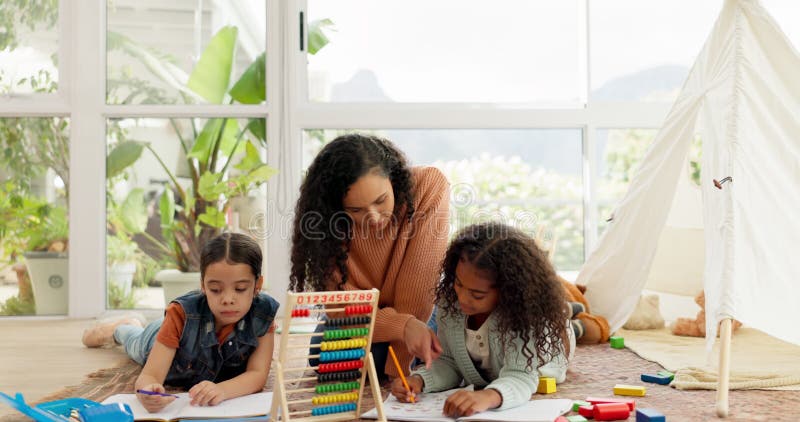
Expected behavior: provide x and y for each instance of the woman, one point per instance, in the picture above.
(366, 220)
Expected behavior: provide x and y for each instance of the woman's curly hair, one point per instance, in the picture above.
(531, 301)
(322, 229)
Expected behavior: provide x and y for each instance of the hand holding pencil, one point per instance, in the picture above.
(405, 390)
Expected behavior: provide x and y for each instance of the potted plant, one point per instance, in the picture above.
(38, 230)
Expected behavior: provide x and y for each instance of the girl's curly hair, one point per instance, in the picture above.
(531, 301)
(322, 229)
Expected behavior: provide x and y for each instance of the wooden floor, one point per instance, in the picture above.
(38, 357)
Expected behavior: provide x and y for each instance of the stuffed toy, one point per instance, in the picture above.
(595, 327)
(646, 316)
(697, 327)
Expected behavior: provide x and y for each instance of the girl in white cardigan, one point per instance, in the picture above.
(502, 323)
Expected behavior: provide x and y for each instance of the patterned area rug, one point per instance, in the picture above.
(593, 372)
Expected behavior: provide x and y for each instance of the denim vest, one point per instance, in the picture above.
(200, 357)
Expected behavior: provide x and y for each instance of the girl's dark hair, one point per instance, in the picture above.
(531, 301)
(322, 230)
(233, 248)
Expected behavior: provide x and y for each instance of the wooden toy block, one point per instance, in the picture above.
(588, 411)
(666, 374)
(562, 419)
(629, 390)
(546, 385)
(576, 418)
(617, 342)
(578, 403)
(596, 400)
(649, 415)
(656, 379)
(611, 411)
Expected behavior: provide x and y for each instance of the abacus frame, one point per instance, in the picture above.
(280, 402)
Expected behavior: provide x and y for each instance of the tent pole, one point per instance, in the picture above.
(724, 367)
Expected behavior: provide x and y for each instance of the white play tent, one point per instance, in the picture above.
(742, 97)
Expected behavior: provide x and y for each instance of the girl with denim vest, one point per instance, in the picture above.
(503, 322)
(217, 342)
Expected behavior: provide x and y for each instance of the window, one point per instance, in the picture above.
(642, 50)
(29, 47)
(449, 51)
(153, 47)
(34, 218)
(618, 155)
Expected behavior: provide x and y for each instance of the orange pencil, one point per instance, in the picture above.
(400, 371)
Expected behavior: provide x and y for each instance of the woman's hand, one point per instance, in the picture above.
(422, 341)
(467, 403)
(206, 393)
(154, 403)
(415, 383)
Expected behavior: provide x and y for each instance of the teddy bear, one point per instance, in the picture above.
(595, 328)
(697, 327)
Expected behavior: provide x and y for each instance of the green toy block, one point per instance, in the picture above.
(576, 418)
(617, 342)
(667, 374)
(578, 403)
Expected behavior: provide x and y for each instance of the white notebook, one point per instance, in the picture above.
(257, 404)
(429, 408)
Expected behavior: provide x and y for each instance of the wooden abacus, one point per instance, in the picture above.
(344, 352)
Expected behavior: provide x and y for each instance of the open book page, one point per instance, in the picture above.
(537, 410)
(250, 405)
(429, 408)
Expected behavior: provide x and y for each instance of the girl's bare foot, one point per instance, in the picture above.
(103, 334)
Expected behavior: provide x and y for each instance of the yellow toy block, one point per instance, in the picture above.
(629, 390)
(546, 385)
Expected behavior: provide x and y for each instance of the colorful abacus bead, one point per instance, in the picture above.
(301, 313)
(337, 408)
(357, 309)
(341, 355)
(340, 322)
(343, 344)
(334, 398)
(339, 376)
(342, 386)
(340, 366)
(345, 333)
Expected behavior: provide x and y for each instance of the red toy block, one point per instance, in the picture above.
(611, 411)
(630, 402)
(561, 419)
(586, 411)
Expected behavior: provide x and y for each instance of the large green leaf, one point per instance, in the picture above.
(122, 156)
(166, 207)
(208, 187)
(204, 144)
(133, 212)
(260, 175)
(212, 73)
(213, 217)
(251, 86)
(258, 127)
(316, 37)
(251, 160)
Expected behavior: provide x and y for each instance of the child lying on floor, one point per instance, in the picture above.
(216, 342)
(502, 319)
